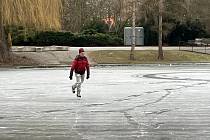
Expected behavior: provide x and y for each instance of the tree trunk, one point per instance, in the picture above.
(133, 31)
(160, 48)
(4, 51)
(1, 32)
(1, 20)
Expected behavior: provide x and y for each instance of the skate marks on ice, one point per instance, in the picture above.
(169, 76)
(165, 92)
(143, 113)
(185, 127)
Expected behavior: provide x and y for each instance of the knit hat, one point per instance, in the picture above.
(81, 50)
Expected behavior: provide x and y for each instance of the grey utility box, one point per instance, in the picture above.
(139, 36)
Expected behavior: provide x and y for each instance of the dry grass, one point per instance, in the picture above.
(122, 57)
(17, 60)
(42, 14)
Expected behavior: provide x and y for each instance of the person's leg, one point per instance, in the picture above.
(82, 77)
(78, 79)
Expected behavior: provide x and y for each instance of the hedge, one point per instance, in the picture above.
(49, 38)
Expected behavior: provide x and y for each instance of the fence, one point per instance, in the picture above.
(198, 45)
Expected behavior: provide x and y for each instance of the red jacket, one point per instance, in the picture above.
(79, 65)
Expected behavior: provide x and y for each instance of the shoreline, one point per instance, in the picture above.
(106, 65)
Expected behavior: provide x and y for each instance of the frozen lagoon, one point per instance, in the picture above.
(118, 103)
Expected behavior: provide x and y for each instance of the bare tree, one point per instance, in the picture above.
(79, 13)
(95, 10)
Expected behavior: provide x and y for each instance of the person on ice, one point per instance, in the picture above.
(79, 66)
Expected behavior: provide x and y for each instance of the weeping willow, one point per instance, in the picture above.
(41, 14)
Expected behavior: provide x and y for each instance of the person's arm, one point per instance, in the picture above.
(74, 63)
(88, 70)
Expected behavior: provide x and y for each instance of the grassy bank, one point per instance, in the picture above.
(141, 57)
